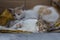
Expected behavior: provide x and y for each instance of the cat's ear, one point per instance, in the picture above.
(11, 10)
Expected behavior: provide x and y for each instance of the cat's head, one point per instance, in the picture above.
(17, 10)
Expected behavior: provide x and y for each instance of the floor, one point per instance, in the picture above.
(39, 36)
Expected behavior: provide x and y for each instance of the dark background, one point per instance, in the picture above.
(27, 3)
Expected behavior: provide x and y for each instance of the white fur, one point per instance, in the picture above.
(37, 7)
(30, 14)
(28, 25)
(53, 17)
(18, 17)
(27, 14)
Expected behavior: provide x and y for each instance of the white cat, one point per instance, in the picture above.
(23, 14)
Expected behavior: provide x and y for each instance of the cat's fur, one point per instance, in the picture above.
(49, 14)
